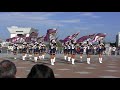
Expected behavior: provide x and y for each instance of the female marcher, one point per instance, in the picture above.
(81, 49)
(88, 52)
(24, 51)
(73, 51)
(65, 51)
(52, 51)
(36, 51)
(15, 47)
(100, 52)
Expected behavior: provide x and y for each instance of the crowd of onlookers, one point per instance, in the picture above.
(8, 70)
(112, 50)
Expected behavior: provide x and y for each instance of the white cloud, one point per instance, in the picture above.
(95, 16)
(99, 24)
(27, 15)
(89, 14)
(42, 18)
(96, 24)
(84, 28)
(51, 23)
(35, 18)
(30, 18)
(81, 28)
(70, 21)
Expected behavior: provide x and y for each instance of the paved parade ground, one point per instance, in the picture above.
(110, 68)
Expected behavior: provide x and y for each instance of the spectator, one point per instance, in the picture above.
(109, 50)
(7, 69)
(113, 50)
(41, 71)
(0, 50)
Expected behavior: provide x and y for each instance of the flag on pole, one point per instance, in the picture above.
(98, 37)
(51, 34)
(75, 35)
(82, 39)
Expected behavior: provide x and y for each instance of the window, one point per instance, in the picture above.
(19, 31)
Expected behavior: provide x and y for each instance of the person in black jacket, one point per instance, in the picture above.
(7, 69)
(41, 71)
(89, 52)
(53, 46)
(81, 49)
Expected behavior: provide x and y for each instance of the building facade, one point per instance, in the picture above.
(18, 31)
(118, 40)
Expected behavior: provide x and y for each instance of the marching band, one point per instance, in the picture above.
(70, 50)
(81, 50)
(37, 50)
(15, 50)
(52, 51)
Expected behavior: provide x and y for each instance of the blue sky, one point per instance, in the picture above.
(66, 22)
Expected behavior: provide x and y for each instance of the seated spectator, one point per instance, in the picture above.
(41, 71)
(7, 69)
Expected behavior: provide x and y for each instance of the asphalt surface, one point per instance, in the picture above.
(110, 68)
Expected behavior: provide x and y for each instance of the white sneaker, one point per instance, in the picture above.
(30, 55)
(52, 63)
(54, 60)
(80, 57)
(39, 57)
(23, 57)
(43, 56)
(88, 60)
(69, 59)
(73, 61)
(65, 57)
(35, 58)
(100, 60)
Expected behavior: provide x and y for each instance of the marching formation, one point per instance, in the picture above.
(28, 49)
(37, 47)
(70, 49)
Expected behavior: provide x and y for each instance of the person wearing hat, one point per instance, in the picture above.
(81, 49)
(52, 51)
(36, 51)
(43, 50)
(40, 50)
(24, 51)
(15, 50)
(30, 49)
(88, 52)
(100, 52)
(65, 50)
(73, 50)
(69, 50)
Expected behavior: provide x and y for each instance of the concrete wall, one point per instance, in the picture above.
(118, 39)
(14, 30)
(13, 35)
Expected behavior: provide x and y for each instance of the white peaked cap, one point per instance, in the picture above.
(24, 43)
(53, 40)
(36, 42)
(54, 29)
